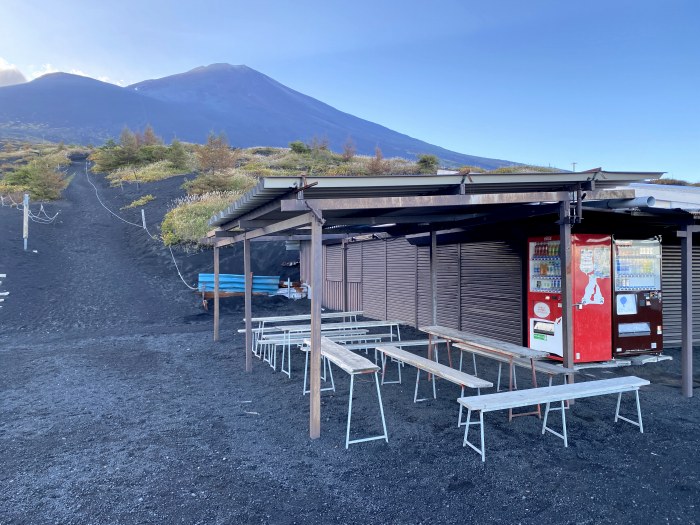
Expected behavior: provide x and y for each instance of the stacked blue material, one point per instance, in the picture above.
(236, 283)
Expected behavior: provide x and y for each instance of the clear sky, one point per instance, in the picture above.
(611, 83)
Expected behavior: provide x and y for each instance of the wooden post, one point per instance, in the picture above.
(433, 273)
(316, 297)
(567, 321)
(216, 293)
(25, 221)
(248, 306)
(687, 312)
(346, 306)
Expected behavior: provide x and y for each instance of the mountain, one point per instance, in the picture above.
(250, 107)
(73, 108)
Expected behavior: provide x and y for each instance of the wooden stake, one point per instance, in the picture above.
(316, 297)
(216, 293)
(25, 222)
(248, 307)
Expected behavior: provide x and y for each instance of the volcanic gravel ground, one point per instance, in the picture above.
(117, 407)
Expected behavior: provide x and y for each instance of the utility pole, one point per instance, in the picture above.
(573, 164)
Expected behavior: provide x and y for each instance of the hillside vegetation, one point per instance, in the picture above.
(215, 174)
(35, 169)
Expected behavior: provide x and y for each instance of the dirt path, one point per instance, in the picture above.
(86, 273)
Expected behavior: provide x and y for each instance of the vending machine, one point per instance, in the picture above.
(637, 316)
(592, 296)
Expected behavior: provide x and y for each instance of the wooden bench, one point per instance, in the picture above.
(543, 367)
(550, 394)
(354, 365)
(269, 344)
(431, 367)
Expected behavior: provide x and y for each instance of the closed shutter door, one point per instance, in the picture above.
(492, 290)
(448, 285)
(671, 294)
(354, 256)
(424, 306)
(401, 281)
(374, 279)
(333, 277)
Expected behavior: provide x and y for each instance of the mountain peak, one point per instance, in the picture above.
(220, 66)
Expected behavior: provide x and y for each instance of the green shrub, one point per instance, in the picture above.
(221, 181)
(428, 163)
(139, 202)
(299, 147)
(188, 221)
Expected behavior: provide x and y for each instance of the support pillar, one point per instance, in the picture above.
(433, 274)
(248, 279)
(216, 293)
(346, 300)
(687, 311)
(567, 321)
(316, 298)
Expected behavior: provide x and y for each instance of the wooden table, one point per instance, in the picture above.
(488, 345)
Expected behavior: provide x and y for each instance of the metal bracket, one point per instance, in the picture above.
(316, 213)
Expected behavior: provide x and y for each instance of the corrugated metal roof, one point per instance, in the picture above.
(270, 189)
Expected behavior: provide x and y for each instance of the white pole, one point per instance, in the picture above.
(143, 218)
(25, 223)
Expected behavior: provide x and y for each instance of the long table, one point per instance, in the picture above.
(488, 345)
(262, 321)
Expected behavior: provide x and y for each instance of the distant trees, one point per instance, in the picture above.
(215, 155)
(135, 150)
(349, 149)
(376, 165)
(299, 147)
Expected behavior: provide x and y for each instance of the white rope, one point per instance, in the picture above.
(103, 204)
(141, 226)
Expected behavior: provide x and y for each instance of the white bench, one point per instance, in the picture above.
(549, 394)
(461, 379)
(353, 364)
(269, 344)
(543, 367)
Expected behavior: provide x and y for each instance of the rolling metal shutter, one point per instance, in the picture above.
(492, 290)
(671, 293)
(374, 279)
(333, 277)
(401, 280)
(424, 298)
(354, 258)
(448, 285)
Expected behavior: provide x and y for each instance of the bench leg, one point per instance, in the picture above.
(381, 406)
(637, 423)
(415, 393)
(347, 433)
(385, 435)
(466, 442)
(545, 428)
(398, 367)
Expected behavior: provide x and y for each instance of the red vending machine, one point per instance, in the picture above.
(592, 296)
(637, 318)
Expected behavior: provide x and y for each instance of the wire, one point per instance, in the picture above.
(103, 204)
(141, 226)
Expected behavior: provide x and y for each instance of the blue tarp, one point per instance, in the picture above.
(229, 282)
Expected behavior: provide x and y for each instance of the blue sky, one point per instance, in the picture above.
(611, 83)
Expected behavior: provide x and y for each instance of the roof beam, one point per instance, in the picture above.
(289, 224)
(369, 203)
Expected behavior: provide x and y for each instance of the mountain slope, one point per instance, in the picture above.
(260, 111)
(73, 108)
(251, 108)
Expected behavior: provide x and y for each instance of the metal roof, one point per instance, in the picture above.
(270, 189)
